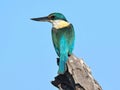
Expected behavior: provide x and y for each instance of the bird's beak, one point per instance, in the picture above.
(42, 19)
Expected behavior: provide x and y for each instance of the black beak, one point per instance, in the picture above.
(44, 19)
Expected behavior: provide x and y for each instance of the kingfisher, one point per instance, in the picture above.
(63, 37)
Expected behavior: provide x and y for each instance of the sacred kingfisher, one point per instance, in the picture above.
(63, 37)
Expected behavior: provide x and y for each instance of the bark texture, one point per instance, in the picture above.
(77, 77)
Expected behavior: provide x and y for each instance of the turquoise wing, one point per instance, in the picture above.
(56, 42)
(67, 35)
(63, 41)
(71, 39)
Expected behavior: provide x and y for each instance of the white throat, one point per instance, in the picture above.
(59, 23)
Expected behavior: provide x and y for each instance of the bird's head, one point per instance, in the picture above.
(57, 19)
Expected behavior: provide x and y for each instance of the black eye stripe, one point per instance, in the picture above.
(52, 17)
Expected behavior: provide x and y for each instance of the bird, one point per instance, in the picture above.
(63, 37)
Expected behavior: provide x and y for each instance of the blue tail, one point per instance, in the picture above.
(62, 63)
(63, 55)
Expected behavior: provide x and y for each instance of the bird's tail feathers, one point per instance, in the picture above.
(62, 64)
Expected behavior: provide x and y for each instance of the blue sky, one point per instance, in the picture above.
(27, 55)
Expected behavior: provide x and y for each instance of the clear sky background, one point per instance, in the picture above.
(27, 55)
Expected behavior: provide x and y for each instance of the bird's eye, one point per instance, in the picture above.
(52, 17)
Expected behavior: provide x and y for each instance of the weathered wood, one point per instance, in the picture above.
(77, 77)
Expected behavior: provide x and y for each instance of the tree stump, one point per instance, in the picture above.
(77, 77)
